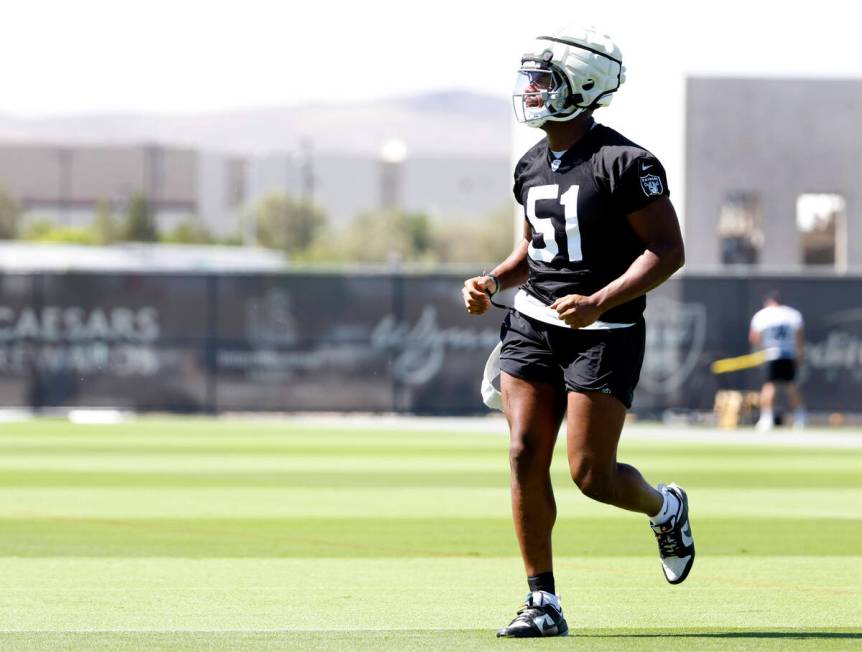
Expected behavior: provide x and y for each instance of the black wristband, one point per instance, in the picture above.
(496, 284)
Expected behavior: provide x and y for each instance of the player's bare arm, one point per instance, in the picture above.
(657, 227)
(754, 338)
(511, 272)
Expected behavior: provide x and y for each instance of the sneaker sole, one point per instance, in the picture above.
(562, 630)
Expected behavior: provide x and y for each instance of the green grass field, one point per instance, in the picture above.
(238, 535)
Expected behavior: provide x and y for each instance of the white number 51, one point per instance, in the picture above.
(545, 226)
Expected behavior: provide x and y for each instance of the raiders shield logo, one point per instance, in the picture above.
(674, 343)
(555, 165)
(651, 185)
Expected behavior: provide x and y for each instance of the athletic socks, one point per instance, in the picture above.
(669, 507)
(766, 421)
(767, 418)
(542, 582)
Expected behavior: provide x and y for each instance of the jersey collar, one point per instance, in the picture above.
(571, 154)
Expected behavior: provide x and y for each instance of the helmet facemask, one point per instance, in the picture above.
(541, 92)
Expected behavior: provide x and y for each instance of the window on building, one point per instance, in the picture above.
(821, 219)
(740, 229)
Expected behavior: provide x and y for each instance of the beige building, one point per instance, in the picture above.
(66, 183)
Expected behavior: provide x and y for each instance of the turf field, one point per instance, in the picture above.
(240, 535)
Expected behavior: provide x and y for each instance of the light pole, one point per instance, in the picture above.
(64, 158)
(393, 153)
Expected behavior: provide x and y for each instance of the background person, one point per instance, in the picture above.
(779, 330)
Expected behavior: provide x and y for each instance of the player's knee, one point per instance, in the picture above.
(594, 483)
(524, 456)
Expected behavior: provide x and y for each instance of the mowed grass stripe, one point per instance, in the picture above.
(480, 455)
(227, 429)
(637, 638)
(403, 595)
(383, 502)
(335, 461)
(766, 479)
(248, 463)
(213, 437)
(314, 443)
(358, 448)
(286, 438)
(410, 537)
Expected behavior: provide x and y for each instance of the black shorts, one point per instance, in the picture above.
(607, 360)
(782, 371)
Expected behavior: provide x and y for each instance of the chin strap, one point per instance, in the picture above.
(496, 291)
(494, 303)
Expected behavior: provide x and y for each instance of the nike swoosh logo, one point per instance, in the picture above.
(542, 621)
(645, 167)
(687, 539)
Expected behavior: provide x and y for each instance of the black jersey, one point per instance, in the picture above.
(577, 206)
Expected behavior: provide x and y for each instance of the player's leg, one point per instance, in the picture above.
(800, 414)
(593, 427)
(767, 399)
(594, 424)
(767, 396)
(534, 411)
(601, 372)
(794, 398)
(534, 402)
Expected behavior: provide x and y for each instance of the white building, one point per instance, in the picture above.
(345, 186)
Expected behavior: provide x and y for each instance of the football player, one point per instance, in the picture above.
(599, 232)
(779, 330)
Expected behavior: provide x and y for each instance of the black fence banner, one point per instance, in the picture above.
(368, 342)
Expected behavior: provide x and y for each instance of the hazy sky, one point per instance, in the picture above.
(189, 55)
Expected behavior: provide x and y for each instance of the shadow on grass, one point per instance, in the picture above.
(797, 634)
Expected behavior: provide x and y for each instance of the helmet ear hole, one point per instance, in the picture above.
(588, 85)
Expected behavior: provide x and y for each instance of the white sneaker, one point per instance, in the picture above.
(675, 542)
(541, 615)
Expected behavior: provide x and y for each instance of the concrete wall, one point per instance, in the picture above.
(778, 138)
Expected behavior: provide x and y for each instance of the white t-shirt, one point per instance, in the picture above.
(777, 327)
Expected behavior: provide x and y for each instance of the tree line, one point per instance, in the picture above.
(282, 222)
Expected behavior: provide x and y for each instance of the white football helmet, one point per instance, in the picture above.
(564, 75)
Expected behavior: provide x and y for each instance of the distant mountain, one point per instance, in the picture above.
(435, 124)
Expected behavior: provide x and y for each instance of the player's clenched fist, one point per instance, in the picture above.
(576, 310)
(476, 294)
